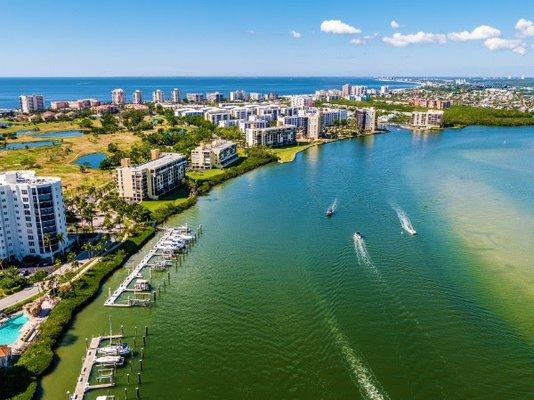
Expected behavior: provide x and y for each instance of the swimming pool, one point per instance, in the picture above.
(10, 330)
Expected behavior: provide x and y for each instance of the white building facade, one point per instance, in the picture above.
(31, 103)
(32, 215)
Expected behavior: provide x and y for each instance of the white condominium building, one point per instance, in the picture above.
(195, 97)
(239, 95)
(31, 103)
(153, 179)
(272, 136)
(176, 96)
(214, 97)
(253, 122)
(427, 119)
(137, 97)
(158, 96)
(255, 96)
(301, 101)
(217, 116)
(32, 215)
(217, 154)
(117, 97)
(241, 113)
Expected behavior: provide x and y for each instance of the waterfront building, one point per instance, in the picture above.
(32, 215)
(346, 90)
(239, 95)
(195, 97)
(189, 112)
(427, 119)
(117, 97)
(254, 96)
(216, 116)
(302, 101)
(274, 136)
(271, 96)
(217, 154)
(214, 97)
(59, 105)
(31, 103)
(384, 89)
(314, 127)
(300, 121)
(158, 96)
(176, 96)
(366, 119)
(137, 97)
(153, 179)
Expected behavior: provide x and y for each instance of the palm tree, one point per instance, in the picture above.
(47, 241)
(60, 237)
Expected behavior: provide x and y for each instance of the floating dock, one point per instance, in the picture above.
(82, 384)
(174, 235)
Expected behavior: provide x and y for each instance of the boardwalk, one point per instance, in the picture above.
(82, 385)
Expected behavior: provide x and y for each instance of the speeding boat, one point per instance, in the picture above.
(358, 236)
(110, 360)
(329, 212)
(411, 231)
(115, 350)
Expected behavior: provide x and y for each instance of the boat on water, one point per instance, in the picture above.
(329, 212)
(357, 236)
(115, 350)
(411, 231)
(110, 360)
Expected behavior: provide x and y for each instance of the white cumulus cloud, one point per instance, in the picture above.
(401, 40)
(479, 33)
(394, 24)
(295, 34)
(338, 27)
(514, 45)
(524, 28)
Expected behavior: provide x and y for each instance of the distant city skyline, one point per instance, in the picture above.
(298, 38)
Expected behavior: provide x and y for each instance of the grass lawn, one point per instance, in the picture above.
(287, 154)
(178, 196)
(200, 175)
(59, 160)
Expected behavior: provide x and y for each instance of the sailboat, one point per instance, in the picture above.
(121, 349)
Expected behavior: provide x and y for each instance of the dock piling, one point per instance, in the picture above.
(128, 378)
(139, 378)
(137, 394)
(146, 330)
(141, 365)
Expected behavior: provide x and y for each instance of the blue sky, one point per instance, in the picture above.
(273, 38)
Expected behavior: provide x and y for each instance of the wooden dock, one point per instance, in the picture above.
(82, 385)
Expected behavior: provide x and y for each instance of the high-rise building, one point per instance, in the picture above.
(176, 96)
(301, 101)
(346, 90)
(427, 119)
(32, 215)
(162, 174)
(117, 97)
(31, 103)
(274, 136)
(239, 95)
(366, 119)
(137, 97)
(195, 97)
(214, 97)
(158, 96)
(314, 128)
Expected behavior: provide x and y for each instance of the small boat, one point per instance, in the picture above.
(358, 236)
(411, 231)
(110, 360)
(115, 350)
(329, 212)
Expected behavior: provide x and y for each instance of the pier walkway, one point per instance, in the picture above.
(82, 385)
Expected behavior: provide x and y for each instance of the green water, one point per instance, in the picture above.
(276, 301)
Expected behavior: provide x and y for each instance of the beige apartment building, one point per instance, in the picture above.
(427, 119)
(217, 154)
(151, 180)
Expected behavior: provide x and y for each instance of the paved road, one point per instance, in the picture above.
(30, 291)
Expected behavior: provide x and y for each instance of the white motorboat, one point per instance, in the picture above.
(110, 360)
(115, 350)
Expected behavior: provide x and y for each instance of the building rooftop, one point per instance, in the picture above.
(11, 177)
(163, 159)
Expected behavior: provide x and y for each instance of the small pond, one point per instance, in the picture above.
(91, 160)
(29, 145)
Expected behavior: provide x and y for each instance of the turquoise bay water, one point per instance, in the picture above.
(278, 301)
(92, 160)
(9, 331)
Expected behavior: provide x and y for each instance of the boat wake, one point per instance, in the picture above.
(361, 251)
(404, 220)
(362, 376)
